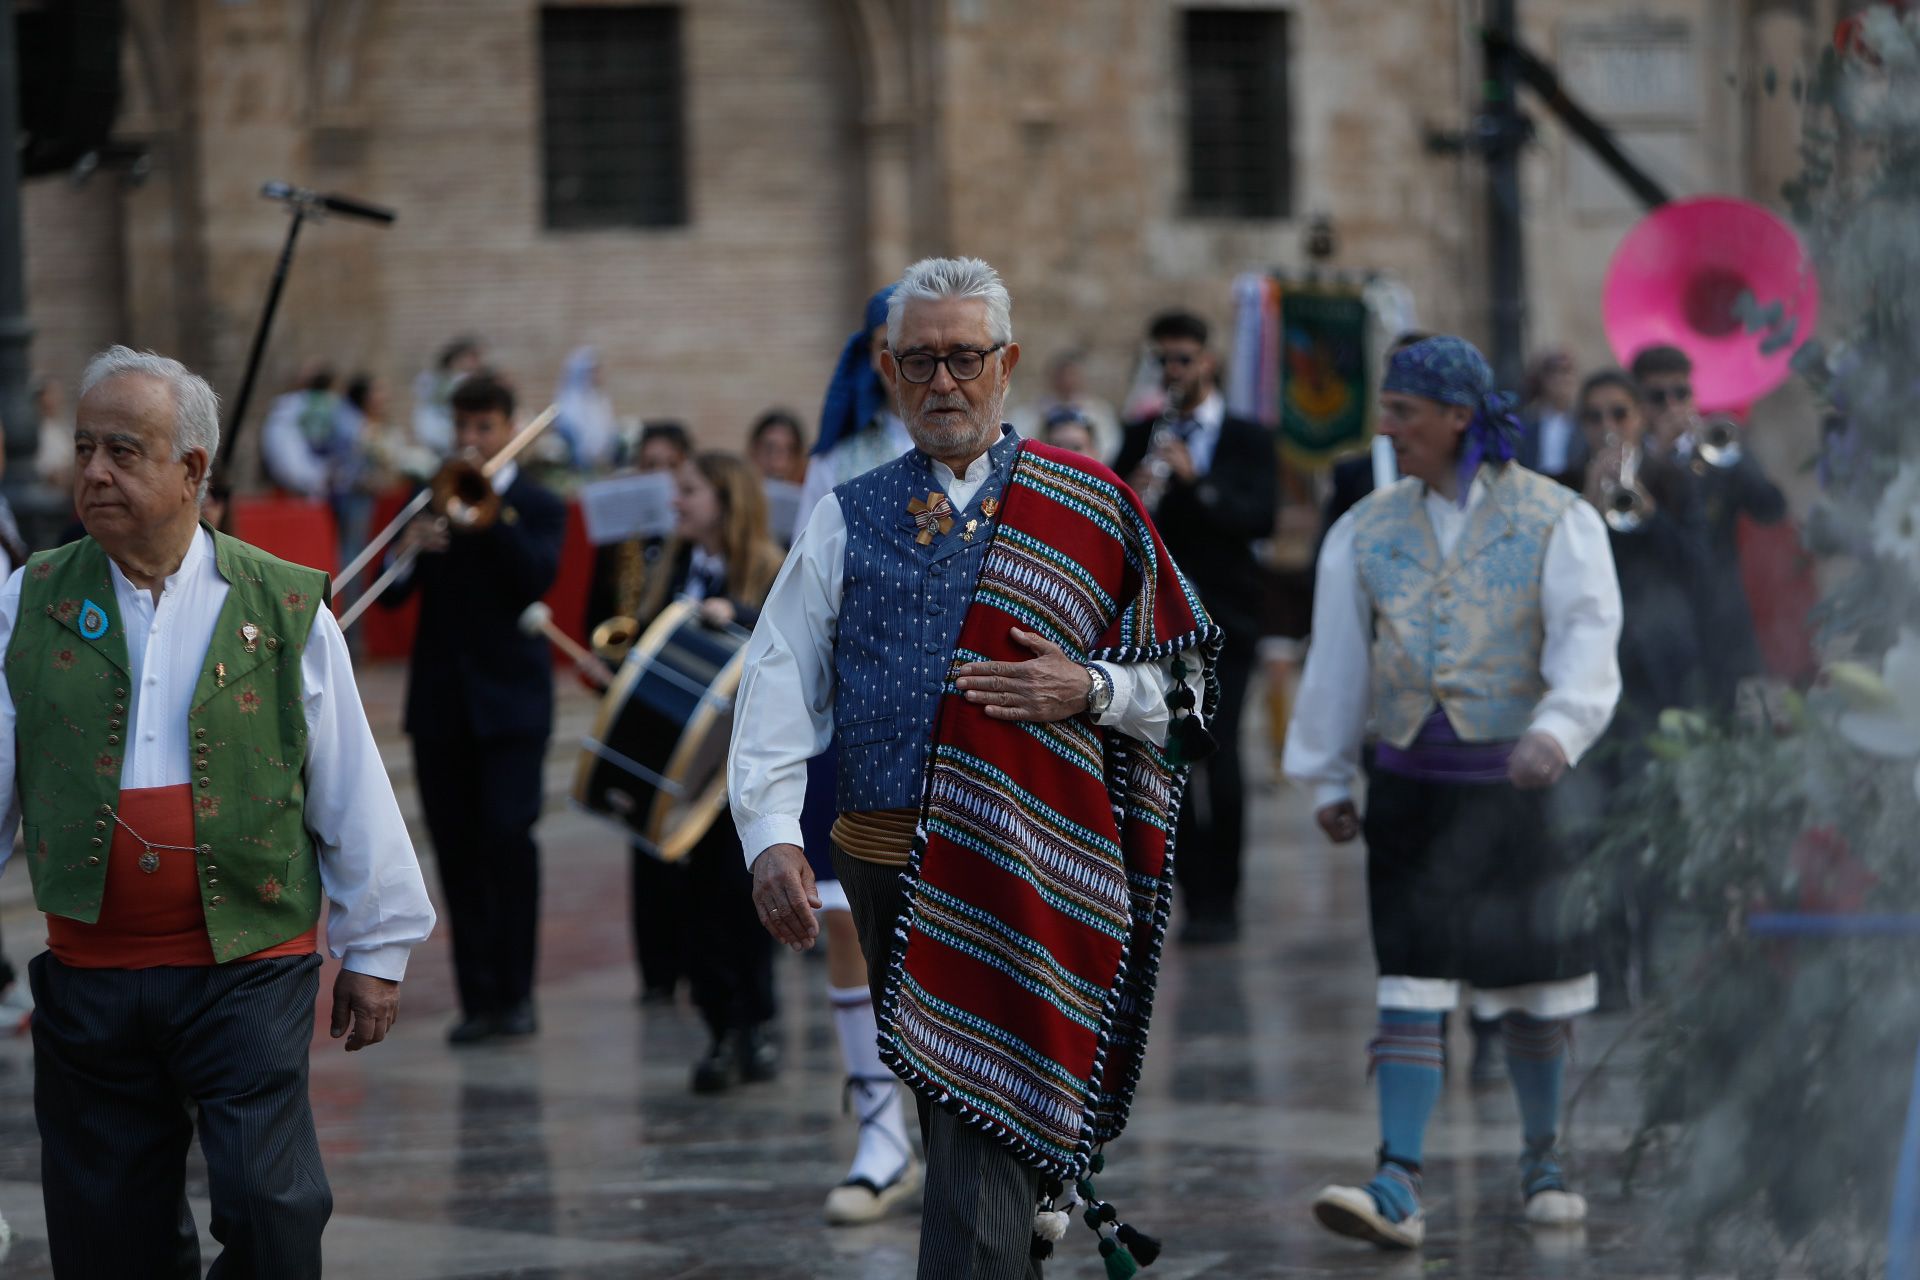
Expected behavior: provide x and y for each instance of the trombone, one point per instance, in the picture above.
(461, 494)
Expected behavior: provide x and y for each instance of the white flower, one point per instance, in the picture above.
(1885, 720)
(1896, 523)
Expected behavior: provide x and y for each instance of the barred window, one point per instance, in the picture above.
(1239, 145)
(612, 116)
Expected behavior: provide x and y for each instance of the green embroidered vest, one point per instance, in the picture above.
(1463, 633)
(67, 669)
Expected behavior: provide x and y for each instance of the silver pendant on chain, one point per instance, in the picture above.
(149, 862)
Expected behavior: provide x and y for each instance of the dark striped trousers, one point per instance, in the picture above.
(123, 1059)
(977, 1219)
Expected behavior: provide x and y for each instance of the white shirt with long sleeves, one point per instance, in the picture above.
(1209, 416)
(1580, 610)
(290, 460)
(783, 716)
(380, 908)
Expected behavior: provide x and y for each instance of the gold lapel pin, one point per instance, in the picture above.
(219, 675)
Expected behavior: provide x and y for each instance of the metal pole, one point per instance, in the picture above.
(1503, 133)
(237, 411)
(16, 333)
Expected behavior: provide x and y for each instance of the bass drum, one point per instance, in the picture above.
(656, 761)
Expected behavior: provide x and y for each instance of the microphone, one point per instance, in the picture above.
(345, 206)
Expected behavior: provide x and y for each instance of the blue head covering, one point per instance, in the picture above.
(1452, 371)
(856, 392)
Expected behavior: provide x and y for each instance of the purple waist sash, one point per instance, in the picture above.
(1438, 755)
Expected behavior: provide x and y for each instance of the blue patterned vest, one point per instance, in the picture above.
(1464, 634)
(900, 615)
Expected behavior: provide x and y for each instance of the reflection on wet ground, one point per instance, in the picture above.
(582, 1155)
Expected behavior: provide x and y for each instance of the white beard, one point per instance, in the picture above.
(973, 434)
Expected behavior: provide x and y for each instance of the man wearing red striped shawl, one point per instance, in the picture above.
(1015, 676)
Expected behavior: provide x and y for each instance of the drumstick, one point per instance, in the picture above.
(537, 620)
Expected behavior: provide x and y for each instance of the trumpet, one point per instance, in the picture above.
(1624, 502)
(1716, 444)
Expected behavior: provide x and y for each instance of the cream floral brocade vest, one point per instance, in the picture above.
(1463, 633)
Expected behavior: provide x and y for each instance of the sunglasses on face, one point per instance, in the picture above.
(1595, 416)
(1660, 397)
(1174, 359)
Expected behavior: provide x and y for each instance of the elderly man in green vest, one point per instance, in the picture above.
(187, 756)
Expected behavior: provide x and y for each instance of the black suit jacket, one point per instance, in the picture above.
(1210, 526)
(473, 671)
(1352, 481)
(1527, 452)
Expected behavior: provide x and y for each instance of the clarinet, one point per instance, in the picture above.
(1158, 472)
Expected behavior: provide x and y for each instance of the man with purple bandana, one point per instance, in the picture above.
(1469, 615)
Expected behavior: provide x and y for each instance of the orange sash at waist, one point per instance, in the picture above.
(151, 919)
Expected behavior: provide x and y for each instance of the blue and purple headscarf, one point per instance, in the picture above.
(856, 392)
(1452, 371)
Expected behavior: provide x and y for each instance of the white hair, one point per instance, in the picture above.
(196, 409)
(935, 279)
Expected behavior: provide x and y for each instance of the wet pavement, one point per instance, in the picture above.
(581, 1155)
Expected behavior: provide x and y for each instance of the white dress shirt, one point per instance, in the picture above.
(1556, 442)
(1580, 610)
(783, 716)
(380, 908)
(289, 459)
(1207, 417)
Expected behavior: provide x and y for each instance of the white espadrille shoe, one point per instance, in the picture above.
(1351, 1211)
(858, 1200)
(1556, 1208)
(1544, 1187)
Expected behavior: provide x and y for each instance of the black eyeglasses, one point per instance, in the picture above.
(1175, 359)
(1660, 397)
(1616, 413)
(965, 364)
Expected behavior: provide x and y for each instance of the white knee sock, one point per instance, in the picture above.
(872, 1090)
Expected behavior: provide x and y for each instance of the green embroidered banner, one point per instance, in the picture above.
(1324, 391)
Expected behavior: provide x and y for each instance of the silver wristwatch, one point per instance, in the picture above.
(1100, 695)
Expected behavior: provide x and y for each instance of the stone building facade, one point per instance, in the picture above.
(827, 143)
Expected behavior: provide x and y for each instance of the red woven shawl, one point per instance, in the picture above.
(1042, 874)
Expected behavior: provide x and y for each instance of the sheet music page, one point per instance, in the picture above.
(783, 508)
(624, 507)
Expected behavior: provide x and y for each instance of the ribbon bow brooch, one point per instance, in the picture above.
(936, 513)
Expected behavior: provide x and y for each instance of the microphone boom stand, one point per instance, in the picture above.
(303, 204)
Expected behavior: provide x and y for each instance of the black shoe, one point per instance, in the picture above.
(1209, 930)
(718, 1069)
(759, 1055)
(472, 1030)
(518, 1021)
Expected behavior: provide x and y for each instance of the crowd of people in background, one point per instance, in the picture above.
(1630, 441)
